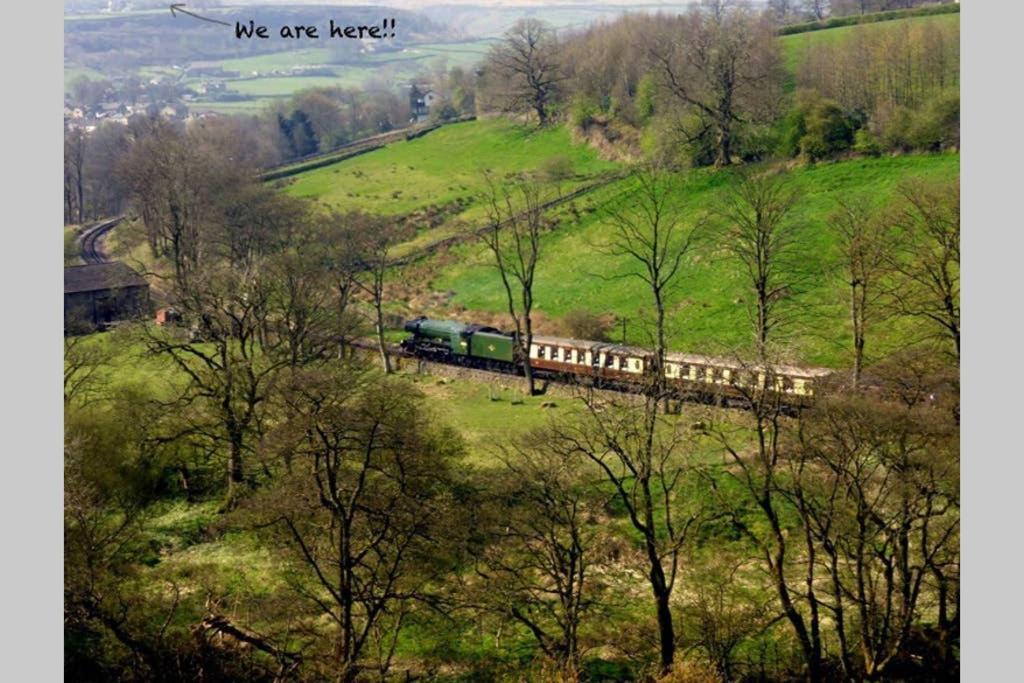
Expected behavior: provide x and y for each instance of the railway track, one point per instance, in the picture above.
(91, 238)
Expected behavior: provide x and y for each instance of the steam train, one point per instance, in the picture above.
(606, 364)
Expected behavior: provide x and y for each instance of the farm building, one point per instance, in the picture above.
(420, 102)
(98, 294)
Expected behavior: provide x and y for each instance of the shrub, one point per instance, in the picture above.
(646, 90)
(582, 112)
(558, 167)
(896, 130)
(865, 142)
(445, 111)
(581, 324)
(829, 130)
(816, 127)
(794, 127)
(937, 125)
(758, 142)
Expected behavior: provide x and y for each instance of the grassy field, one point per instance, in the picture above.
(313, 56)
(444, 166)
(390, 69)
(73, 73)
(286, 85)
(242, 108)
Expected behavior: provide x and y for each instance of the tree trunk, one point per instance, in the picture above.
(531, 384)
(666, 631)
(385, 359)
(236, 472)
(724, 156)
(662, 593)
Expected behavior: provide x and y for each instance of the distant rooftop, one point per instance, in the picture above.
(98, 276)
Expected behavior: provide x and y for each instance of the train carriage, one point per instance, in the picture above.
(731, 377)
(598, 360)
(608, 364)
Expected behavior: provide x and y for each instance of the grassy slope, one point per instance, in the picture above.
(442, 167)
(709, 313)
(796, 45)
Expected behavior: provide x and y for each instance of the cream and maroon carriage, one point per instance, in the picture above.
(597, 360)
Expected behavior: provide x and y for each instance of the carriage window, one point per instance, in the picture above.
(609, 361)
(685, 372)
(636, 364)
(566, 354)
(541, 352)
(787, 384)
(700, 373)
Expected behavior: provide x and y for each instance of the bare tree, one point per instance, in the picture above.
(926, 256)
(864, 246)
(363, 519)
(649, 232)
(178, 189)
(725, 605)
(816, 10)
(340, 250)
(882, 480)
(524, 70)
(722, 65)
(85, 361)
(74, 175)
(758, 466)
(762, 238)
(230, 364)
(645, 460)
(516, 222)
(537, 567)
(376, 237)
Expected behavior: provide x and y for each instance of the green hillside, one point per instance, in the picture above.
(709, 314)
(446, 166)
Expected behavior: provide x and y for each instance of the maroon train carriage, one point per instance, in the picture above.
(605, 362)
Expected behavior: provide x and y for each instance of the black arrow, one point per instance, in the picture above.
(178, 7)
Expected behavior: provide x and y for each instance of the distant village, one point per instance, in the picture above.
(89, 103)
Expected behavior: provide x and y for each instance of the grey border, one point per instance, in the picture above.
(31, 276)
(992, 467)
(991, 464)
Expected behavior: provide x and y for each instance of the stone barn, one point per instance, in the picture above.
(98, 294)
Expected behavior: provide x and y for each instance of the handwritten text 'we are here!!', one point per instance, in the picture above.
(382, 31)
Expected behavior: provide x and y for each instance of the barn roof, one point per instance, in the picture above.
(99, 276)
